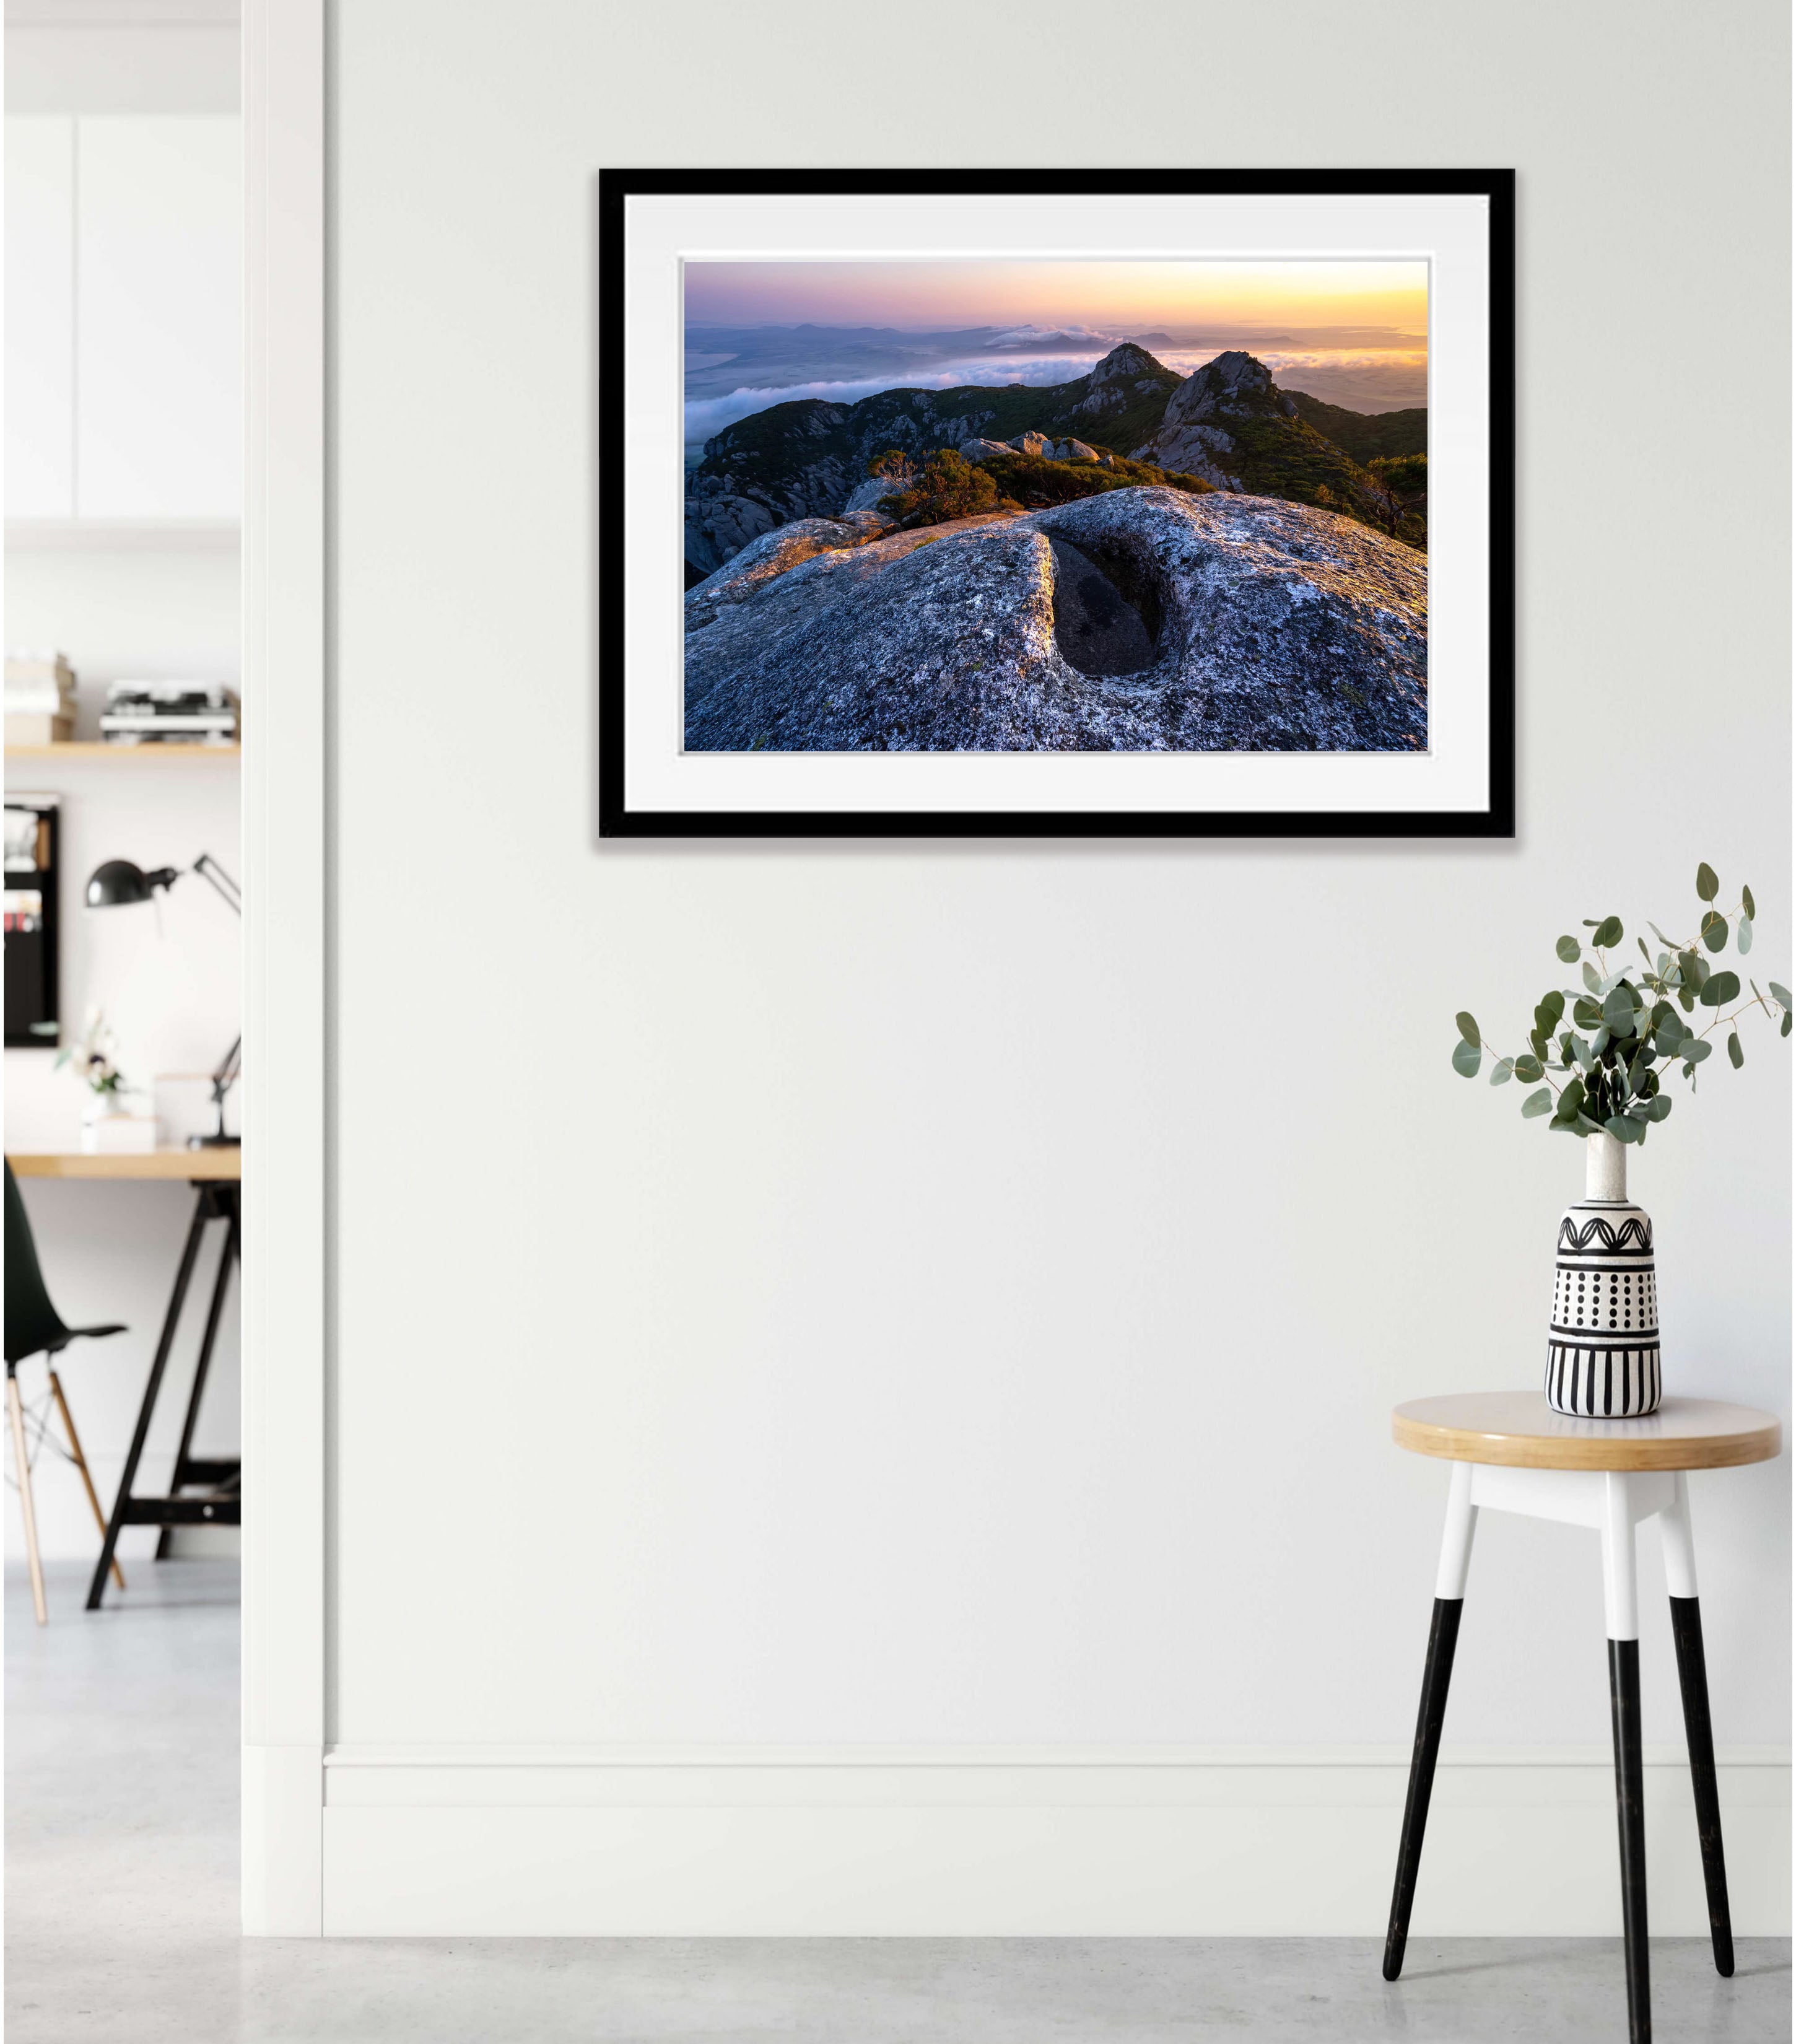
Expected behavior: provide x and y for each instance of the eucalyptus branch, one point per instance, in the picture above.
(1615, 1080)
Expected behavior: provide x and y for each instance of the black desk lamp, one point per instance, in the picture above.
(118, 884)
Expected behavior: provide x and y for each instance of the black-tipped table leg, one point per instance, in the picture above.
(1693, 1678)
(1436, 1673)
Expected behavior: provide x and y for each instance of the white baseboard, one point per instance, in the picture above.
(466, 1842)
(282, 1885)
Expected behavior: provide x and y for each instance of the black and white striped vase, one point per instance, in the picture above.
(1602, 1347)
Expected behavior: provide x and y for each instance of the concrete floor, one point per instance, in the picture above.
(121, 1901)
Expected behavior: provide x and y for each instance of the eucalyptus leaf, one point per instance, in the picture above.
(1780, 994)
(1587, 1127)
(1468, 1028)
(1722, 986)
(1618, 1011)
(1537, 1104)
(1530, 1070)
(1660, 935)
(1694, 1049)
(1608, 933)
(1572, 1098)
(1593, 979)
(1503, 1071)
(1707, 886)
(1625, 1128)
(1746, 903)
(1467, 1059)
(1736, 1057)
(1715, 932)
(1742, 933)
(1569, 950)
(1658, 1107)
(1668, 1036)
(1586, 1014)
(1785, 1029)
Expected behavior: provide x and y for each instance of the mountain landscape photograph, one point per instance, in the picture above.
(985, 507)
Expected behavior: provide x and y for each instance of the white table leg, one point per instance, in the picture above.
(1620, 1593)
(1680, 1548)
(1456, 1536)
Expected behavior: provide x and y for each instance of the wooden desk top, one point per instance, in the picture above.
(186, 1166)
(1519, 1430)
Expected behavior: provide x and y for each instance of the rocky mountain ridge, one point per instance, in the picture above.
(1231, 425)
(805, 459)
(1228, 424)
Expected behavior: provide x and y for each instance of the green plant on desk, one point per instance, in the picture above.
(1641, 1021)
(92, 1058)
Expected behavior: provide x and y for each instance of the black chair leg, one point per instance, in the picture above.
(1693, 1679)
(1437, 1669)
(1624, 1710)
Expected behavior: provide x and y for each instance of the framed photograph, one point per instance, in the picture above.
(1057, 503)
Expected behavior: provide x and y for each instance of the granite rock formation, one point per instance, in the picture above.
(1222, 623)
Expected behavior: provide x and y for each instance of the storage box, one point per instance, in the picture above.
(26, 727)
(119, 1135)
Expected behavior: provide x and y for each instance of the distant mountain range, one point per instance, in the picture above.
(1229, 424)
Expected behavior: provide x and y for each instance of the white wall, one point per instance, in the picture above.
(951, 1295)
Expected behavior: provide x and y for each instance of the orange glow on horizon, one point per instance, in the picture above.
(1101, 296)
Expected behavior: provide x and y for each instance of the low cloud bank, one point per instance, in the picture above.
(1361, 380)
(706, 415)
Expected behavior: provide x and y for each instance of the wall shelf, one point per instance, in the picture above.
(86, 748)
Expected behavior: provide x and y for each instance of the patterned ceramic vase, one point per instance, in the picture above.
(1602, 1347)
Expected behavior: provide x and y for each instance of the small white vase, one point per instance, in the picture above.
(1602, 1345)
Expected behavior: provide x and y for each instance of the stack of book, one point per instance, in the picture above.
(40, 699)
(170, 713)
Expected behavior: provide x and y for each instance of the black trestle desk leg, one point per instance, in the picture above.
(1693, 1679)
(1624, 1707)
(97, 1590)
(1443, 1636)
(227, 1256)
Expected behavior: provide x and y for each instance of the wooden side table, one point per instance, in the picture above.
(1511, 1452)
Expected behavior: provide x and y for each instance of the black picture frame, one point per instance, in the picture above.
(33, 973)
(1495, 820)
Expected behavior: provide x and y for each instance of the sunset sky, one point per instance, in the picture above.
(1352, 331)
(1097, 295)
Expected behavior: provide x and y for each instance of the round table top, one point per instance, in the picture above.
(1521, 1431)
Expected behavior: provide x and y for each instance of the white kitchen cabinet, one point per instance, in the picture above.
(40, 316)
(157, 324)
